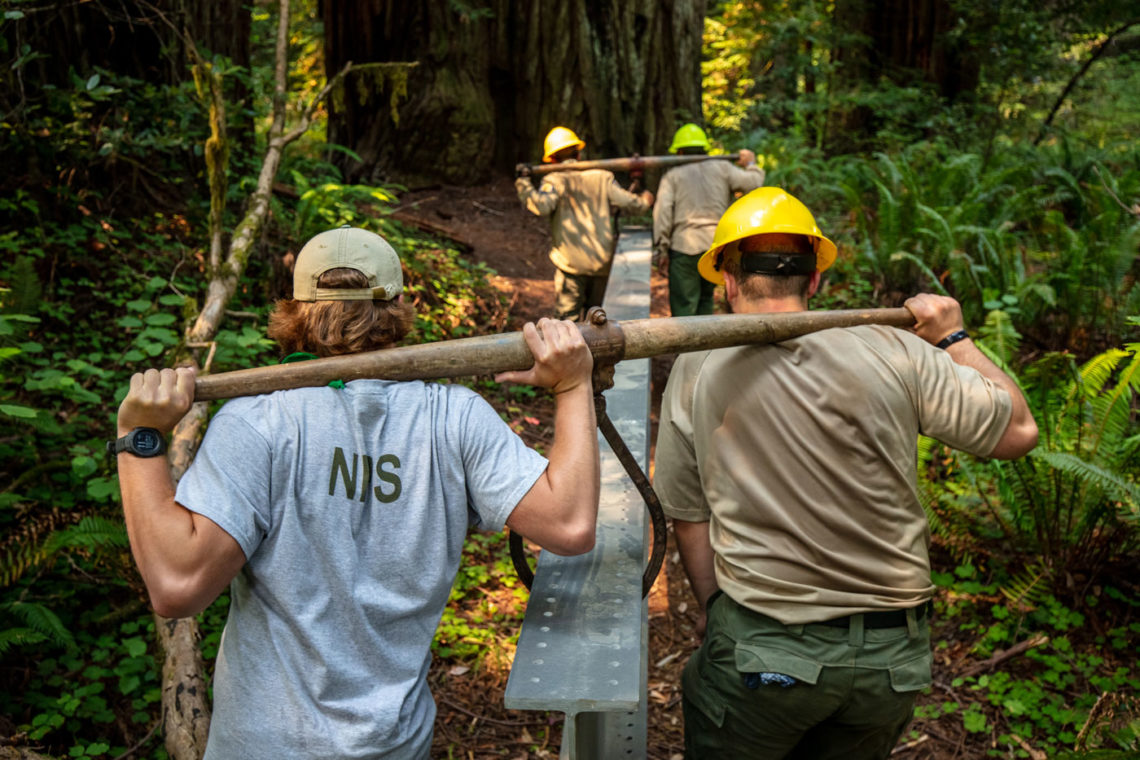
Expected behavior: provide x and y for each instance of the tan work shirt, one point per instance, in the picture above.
(581, 223)
(692, 198)
(802, 456)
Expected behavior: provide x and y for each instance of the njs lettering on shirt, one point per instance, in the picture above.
(387, 488)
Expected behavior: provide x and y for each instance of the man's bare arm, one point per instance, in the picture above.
(560, 510)
(696, 552)
(185, 559)
(936, 317)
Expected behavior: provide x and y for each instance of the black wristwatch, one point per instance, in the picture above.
(142, 442)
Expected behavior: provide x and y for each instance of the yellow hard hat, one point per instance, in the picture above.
(764, 210)
(689, 136)
(559, 138)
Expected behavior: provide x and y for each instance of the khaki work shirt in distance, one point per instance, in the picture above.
(802, 457)
(691, 200)
(581, 223)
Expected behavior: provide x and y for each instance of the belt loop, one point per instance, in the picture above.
(912, 623)
(796, 629)
(855, 631)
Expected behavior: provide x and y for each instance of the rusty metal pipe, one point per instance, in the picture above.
(609, 343)
(632, 164)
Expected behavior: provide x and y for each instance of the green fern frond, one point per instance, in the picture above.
(1064, 179)
(1112, 416)
(926, 448)
(1001, 337)
(1111, 484)
(42, 620)
(1029, 586)
(11, 638)
(1115, 409)
(90, 533)
(1098, 370)
(23, 550)
(892, 172)
(24, 290)
(944, 234)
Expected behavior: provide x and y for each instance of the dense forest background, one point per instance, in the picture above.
(163, 159)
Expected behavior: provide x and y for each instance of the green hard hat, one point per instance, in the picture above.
(689, 136)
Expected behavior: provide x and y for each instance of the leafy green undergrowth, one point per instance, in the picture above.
(480, 625)
(1011, 676)
(72, 331)
(96, 692)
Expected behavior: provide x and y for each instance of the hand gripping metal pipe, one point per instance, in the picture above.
(608, 341)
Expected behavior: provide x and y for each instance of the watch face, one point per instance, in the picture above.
(147, 441)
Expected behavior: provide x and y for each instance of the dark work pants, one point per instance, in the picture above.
(574, 294)
(852, 697)
(689, 293)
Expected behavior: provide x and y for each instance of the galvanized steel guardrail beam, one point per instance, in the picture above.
(583, 648)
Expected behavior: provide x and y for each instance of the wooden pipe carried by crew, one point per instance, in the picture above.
(632, 164)
(609, 341)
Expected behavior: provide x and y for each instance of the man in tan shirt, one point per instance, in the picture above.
(789, 473)
(690, 201)
(581, 222)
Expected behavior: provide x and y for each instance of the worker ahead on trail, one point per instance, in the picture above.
(337, 515)
(789, 472)
(581, 222)
(690, 200)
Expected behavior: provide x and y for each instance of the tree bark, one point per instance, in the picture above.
(137, 38)
(186, 706)
(494, 76)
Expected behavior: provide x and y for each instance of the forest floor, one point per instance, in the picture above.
(472, 722)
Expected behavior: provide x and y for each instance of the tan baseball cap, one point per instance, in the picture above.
(352, 248)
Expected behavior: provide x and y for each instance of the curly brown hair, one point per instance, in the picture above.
(333, 328)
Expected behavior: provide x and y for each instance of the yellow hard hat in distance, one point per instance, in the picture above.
(689, 136)
(764, 210)
(558, 139)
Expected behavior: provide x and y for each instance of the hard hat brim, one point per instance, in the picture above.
(549, 157)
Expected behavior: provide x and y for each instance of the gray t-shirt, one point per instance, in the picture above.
(351, 507)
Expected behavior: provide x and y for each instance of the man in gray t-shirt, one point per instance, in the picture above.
(337, 515)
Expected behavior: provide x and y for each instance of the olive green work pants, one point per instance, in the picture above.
(689, 293)
(853, 694)
(574, 294)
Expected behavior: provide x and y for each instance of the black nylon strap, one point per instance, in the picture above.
(952, 338)
(782, 264)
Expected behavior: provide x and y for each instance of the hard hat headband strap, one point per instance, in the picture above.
(780, 264)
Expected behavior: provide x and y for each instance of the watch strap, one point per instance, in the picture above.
(952, 338)
(127, 443)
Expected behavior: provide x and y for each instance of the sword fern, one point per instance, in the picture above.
(1071, 508)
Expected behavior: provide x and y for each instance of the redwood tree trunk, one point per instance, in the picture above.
(492, 79)
(138, 39)
(903, 41)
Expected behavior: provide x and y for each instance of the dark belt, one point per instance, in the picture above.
(885, 619)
